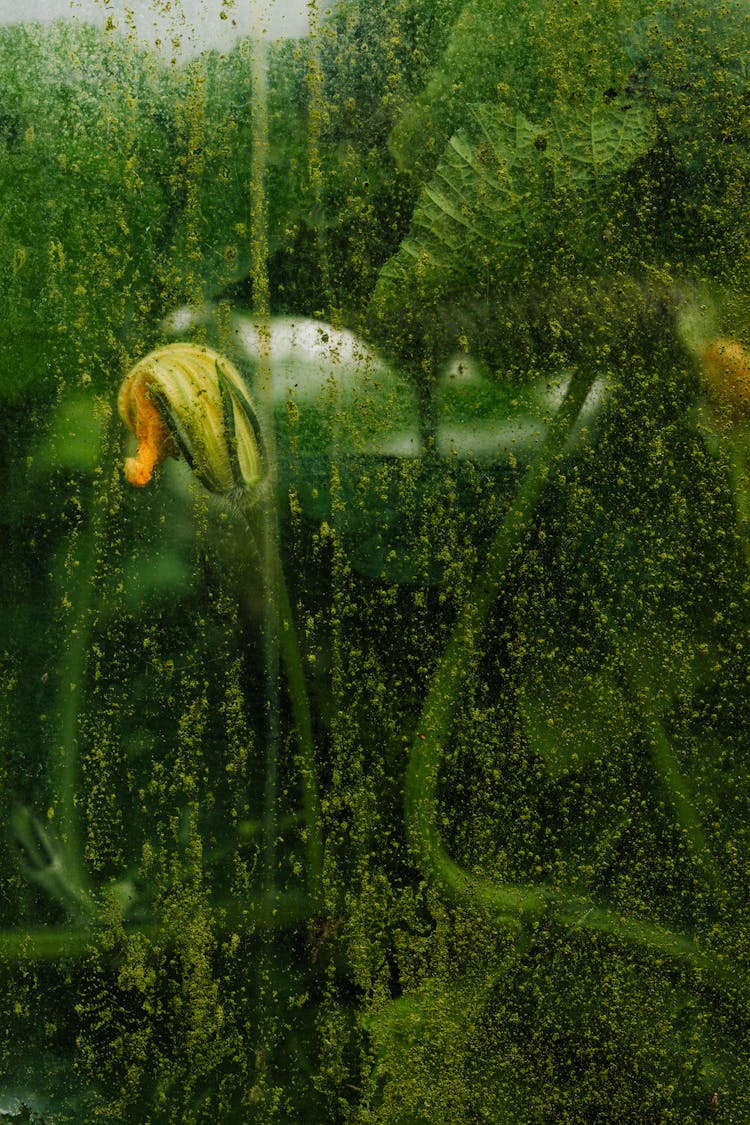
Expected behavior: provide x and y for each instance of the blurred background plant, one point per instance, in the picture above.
(470, 259)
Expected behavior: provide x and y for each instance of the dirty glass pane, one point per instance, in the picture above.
(375, 385)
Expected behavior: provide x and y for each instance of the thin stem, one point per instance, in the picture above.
(512, 904)
(506, 900)
(303, 727)
(735, 445)
(509, 902)
(65, 768)
(81, 565)
(281, 910)
(279, 624)
(677, 785)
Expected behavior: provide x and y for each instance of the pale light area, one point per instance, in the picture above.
(180, 29)
(297, 339)
(329, 372)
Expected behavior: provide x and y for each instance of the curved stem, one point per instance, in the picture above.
(677, 785)
(510, 902)
(734, 444)
(440, 706)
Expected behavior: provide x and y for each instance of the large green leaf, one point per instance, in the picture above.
(591, 145)
(492, 192)
(478, 204)
(539, 55)
(691, 59)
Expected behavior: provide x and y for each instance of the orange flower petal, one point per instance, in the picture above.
(155, 442)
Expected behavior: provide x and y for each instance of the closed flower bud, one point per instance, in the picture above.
(726, 372)
(184, 399)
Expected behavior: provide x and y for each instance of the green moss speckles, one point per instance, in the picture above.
(412, 787)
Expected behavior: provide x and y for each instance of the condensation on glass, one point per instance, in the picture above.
(375, 383)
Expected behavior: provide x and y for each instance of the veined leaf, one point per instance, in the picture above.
(596, 143)
(495, 184)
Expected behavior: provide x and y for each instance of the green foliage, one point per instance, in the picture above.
(84, 199)
(530, 55)
(414, 786)
(502, 200)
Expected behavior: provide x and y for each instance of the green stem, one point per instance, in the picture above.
(65, 769)
(507, 901)
(81, 565)
(297, 687)
(440, 706)
(677, 785)
(279, 620)
(734, 444)
(264, 912)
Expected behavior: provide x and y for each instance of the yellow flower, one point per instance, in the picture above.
(187, 399)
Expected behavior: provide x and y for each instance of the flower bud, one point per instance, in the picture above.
(187, 399)
(726, 372)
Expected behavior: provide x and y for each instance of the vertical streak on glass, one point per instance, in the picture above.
(315, 121)
(66, 773)
(195, 160)
(267, 532)
(269, 544)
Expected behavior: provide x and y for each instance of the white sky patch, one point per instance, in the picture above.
(180, 29)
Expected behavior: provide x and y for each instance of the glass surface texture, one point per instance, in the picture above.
(375, 392)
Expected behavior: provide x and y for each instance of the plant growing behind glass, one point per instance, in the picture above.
(187, 400)
(493, 186)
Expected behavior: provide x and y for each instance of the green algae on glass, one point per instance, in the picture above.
(451, 824)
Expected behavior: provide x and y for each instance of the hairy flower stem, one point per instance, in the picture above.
(281, 638)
